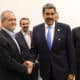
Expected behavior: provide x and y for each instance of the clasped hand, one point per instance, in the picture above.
(29, 66)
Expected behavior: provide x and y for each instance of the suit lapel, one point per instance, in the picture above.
(10, 40)
(22, 39)
(43, 36)
(56, 34)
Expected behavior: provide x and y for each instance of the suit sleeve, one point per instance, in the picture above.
(34, 48)
(7, 62)
(71, 52)
(74, 37)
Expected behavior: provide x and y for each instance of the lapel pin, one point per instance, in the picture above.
(59, 39)
(58, 30)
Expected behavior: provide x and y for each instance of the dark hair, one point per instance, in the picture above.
(24, 18)
(48, 6)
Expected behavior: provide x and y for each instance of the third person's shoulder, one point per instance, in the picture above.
(76, 29)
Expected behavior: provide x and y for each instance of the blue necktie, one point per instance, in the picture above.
(49, 38)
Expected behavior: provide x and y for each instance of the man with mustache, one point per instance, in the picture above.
(52, 41)
(24, 39)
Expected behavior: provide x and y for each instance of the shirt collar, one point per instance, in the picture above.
(12, 34)
(52, 26)
(24, 32)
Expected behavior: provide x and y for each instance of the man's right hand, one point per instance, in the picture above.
(29, 66)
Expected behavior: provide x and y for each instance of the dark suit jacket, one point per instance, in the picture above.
(76, 38)
(60, 60)
(25, 51)
(11, 67)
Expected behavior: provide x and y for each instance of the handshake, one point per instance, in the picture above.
(29, 66)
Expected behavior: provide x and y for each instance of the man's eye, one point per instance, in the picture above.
(12, 20)
(47, 13)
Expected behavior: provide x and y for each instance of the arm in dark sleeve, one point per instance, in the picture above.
(71, 52)
(74, 37)
(34, 48)
(9, 63)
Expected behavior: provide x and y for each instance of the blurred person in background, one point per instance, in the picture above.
(76, 39)
(56, 16)
(24, 39)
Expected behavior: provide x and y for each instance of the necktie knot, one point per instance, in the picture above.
(49, 27)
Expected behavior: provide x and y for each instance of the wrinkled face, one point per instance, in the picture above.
(49, 16)
(9, 22)
(25, 25)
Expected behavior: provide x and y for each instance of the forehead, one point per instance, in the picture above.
(24, 20)
(9, 15)
(51, 10)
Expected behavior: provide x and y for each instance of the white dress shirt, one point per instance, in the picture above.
(27, 38)
(52, 31)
